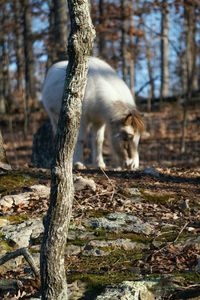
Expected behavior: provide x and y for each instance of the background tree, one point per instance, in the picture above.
(164, 51)
(30, 91)
(4, 59)
(53, 276)
(57, 30)
(3, 159)
(133, 36)
(18, 46)
(190, 80)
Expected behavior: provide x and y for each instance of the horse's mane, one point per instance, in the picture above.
(127, 114)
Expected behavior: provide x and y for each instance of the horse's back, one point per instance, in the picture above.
(104, 88)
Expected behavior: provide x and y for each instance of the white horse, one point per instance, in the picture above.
(107, 103)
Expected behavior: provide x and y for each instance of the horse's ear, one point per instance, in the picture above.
(137, 121)
(128, 120)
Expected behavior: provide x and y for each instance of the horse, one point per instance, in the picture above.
(107, 104)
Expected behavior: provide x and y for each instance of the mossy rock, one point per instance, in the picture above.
(158, 197)
(13, 182)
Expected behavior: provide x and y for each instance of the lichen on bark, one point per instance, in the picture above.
(53, 277)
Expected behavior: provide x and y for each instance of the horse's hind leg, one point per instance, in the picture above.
(97, 146)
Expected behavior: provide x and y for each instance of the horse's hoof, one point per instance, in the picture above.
(79, 166)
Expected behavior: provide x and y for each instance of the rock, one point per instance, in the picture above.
(3, 222)
(41, 190)
(121, 222)
(6, 202)
(76, 290)
(125, 244)
(131, 192)
(88, 250)
(19, 199)
(5, 166)
(72, 250)
(104, 223)
(81, 183)
(22, 199)
(22, 233)
(130, 290)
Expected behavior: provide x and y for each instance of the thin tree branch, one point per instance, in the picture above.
(26, 254)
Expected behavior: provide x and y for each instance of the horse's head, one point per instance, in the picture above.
(125, 135)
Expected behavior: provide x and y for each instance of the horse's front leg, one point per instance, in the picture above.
(97, 146)
(78, 153)
(134, 162)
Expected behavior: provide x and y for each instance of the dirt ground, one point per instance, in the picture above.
(169, 186)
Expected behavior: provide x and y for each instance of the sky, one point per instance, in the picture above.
(152, 28)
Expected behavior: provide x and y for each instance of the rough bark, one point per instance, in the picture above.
(53, 277)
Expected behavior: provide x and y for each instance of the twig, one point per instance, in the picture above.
(28, 257)
(110, 181)
(98, 194)
(186, 224)
(170, 243)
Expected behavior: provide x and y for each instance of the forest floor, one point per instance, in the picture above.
(126, 225)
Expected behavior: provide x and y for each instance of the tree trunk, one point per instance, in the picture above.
(132, 52)
(123, 41)
(102, 42)
(29, 62)
(50, 43)
(3, 159)
(53, 277)
(150, 72)
(18, 42)
(164, 51)
(4, 63)
(190, 66)
(58, 19)
(2, 96)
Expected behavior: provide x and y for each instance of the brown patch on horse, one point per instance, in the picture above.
(135, 120)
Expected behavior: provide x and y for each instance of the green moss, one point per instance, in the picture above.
(77, 242)
(4, 246)
(103, 279)
(17, 219)
(171, 235)
(2, 235)
(187, 276)
(114, 268)
(157, 197)
(101, 234)
(96, 213)
(14, 182)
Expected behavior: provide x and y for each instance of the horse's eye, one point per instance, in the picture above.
(127, 136)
